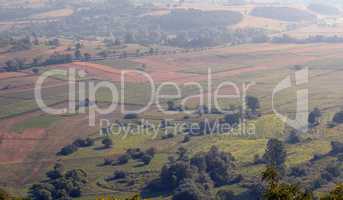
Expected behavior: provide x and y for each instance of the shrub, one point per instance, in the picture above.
(336, 147)
(131, 116)
(298, 171)
(186, 139)
(123, 159)
(119, 175)
(107, 142)
(190, 190)
(67, 150)
(333, 169)
(151, 151)
(108, 161)
(83, 142)
(275, 154)
(168, 136)
(146, 159)
(76, 192)
(225, 195)
(258, 159)
(135, 153)
(293, 138)
(338, 117)
(317, 157)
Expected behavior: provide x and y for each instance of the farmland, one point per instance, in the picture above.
(184, 64)
(264, 64)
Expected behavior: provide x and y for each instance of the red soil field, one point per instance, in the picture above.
(102, 71)
(15, 147)
(6, 75)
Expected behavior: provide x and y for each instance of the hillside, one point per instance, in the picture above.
(283, 14)
(324, 9)
(193, 19)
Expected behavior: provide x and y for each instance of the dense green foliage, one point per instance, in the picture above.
(282, 13)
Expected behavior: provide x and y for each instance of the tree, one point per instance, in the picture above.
(186, 139)
(232, 119)
(252, 103)
(336, 147)
(283, 191)
(107, 142)
(171, 105)
(77, 54)
(57, 172)
(77, 46)
(190, 190)
(293, 137)
(67, 150)
(35, 70)
(335, 194)
(275, 154)
(123, 159)
(151, 151)
(87, 56)
(146, 159)
(119, 175)
(225, 195)
(338, 117)
(172, 174)
(117, 42)
(313, 117)
(182, 152)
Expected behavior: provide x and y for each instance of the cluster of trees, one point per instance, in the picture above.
(282, 13)
(338, 118)
(78, 143)
(314, 117)
(194, 178)
(181, 20)
(311, 39)
(20, 64)
(61, 184)
(21, 44)
(278, 189)
(135, 154)
(324, 9)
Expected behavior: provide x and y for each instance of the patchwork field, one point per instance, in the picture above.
(31, 138)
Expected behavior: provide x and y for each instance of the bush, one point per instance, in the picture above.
(317, 183)
(333, 169)
(186, 139)
(146, 159)
(293, 138)
(258, 159)
(189, 190)
(135, 153)
(131, 116)
(338, 118)
(168, 136)
(123, 159)
(119, 175)
(67, 150)
(336, 147)
(151, 151)
(298, 171)
(83, 142)
(107, 142)
(225, 195)
(76, 192)
(317, 157)
(108, 161)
